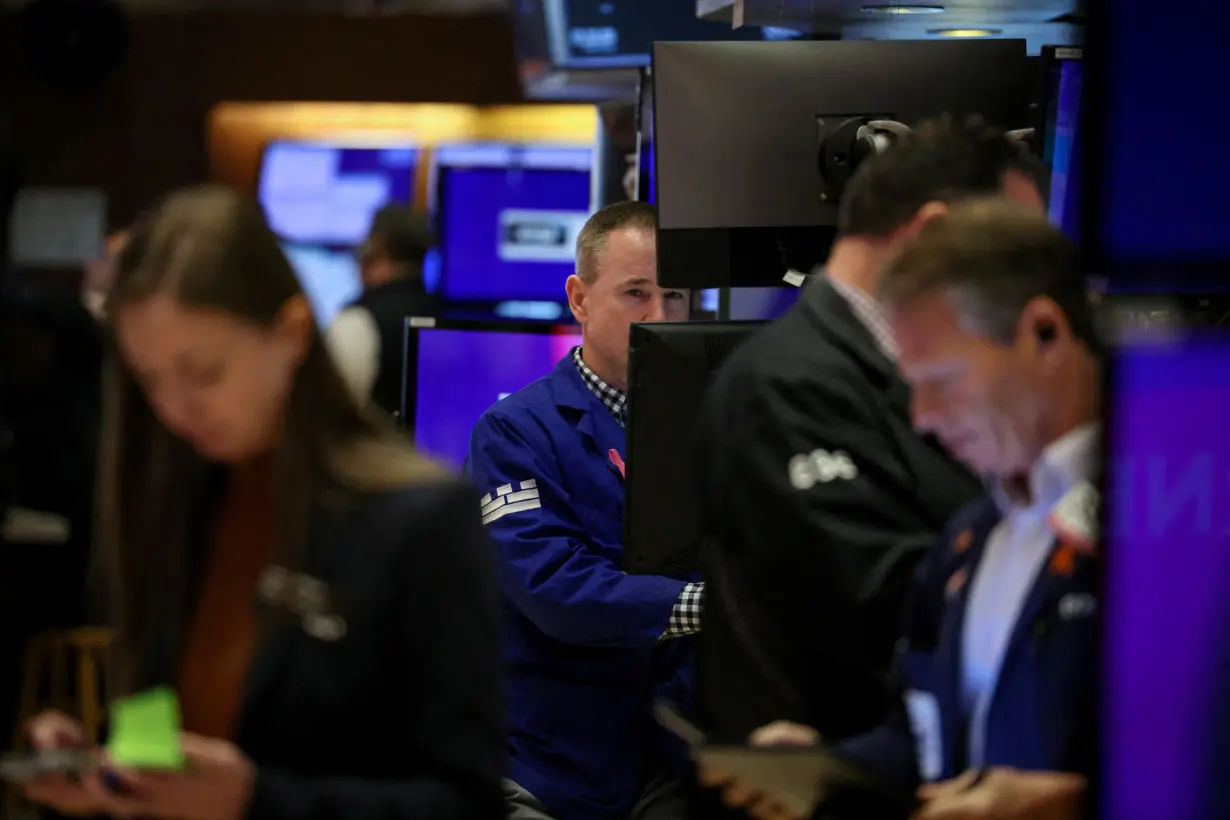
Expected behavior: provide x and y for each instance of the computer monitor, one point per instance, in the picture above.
(319, 193)
(329, 277)
(1063, 77)
(669, 369)
(738, 129)
(459, 369)
(508, 218)
(1167, 554)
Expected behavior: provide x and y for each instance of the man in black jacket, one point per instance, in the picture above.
(818, 497)
(368, 338)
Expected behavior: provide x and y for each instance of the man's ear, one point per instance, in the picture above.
(1043, 326)
(932, 209)
(929, 211)
(577, 291)
(296, 324)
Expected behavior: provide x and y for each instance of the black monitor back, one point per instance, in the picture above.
(670, 366)
(737, 136)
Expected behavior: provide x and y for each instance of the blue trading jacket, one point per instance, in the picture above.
(582, 654)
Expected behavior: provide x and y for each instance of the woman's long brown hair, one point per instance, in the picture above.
(209, 247)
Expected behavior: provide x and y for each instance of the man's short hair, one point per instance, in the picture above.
(404, 234)
(591, 241)
(944, 160)
(990, 258)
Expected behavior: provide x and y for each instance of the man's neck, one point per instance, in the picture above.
(1078, 400)
(603, 369)
(1077, 403)
(857, 262)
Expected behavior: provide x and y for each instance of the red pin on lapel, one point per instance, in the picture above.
(618, 461)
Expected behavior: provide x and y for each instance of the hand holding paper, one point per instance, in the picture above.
(757, 803)
(217, 784)
(145, 731)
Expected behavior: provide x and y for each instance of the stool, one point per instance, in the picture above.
(50, 657)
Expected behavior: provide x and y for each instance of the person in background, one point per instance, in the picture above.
(368, 338)
(587, 646)
(818, 498)
(320, 596)
(999, 665)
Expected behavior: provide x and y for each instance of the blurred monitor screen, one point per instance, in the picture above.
(508, 219)
(646, 178)
(324, 194)
(492, 362)
(329, 277)
(1168, 568)
(1061, 152)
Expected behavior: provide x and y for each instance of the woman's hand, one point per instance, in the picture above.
(76, 797)
(216, 785)
(737, 794)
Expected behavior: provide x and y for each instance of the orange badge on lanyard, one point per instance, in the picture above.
(962, 542)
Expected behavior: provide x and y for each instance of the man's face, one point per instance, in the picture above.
(980, 398)
(624, 291)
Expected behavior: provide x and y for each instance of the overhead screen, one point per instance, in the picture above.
(326, 194)
(508, 218)
(621, 33)
(738, 130)
(460, 371)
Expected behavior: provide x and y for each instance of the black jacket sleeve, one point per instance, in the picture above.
(451, 613)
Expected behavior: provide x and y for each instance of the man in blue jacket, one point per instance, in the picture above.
(588, 647)
(998, 666)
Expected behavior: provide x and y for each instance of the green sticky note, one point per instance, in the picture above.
(145, 730)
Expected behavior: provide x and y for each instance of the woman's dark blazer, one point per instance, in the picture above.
(401, 715)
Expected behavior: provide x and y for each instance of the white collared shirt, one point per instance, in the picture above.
(1015, 552)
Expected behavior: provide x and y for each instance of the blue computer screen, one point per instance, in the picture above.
(329, 278)
(495, 363)
(1163, 190)
(508, 219)
(323, 194)
(1062, 152)
(1168, 569)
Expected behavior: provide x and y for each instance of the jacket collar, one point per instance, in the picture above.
(591, 418)
(831, 316)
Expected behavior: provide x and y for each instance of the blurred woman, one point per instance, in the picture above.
(319, 595)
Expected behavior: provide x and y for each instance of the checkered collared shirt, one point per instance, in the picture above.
(871, 314)
(614, 399)
(685, 617)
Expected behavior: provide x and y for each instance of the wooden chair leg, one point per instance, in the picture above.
(87, 694)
